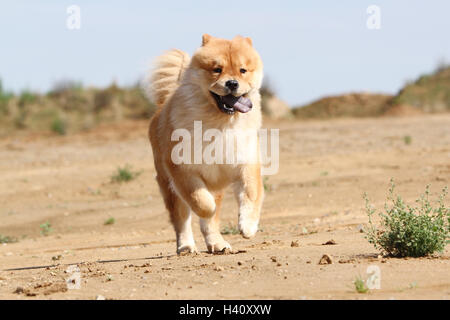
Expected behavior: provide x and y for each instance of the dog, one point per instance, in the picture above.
(218, 86)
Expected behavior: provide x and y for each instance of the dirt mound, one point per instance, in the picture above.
(402, 110)
(348, 105)
(429, 93)
(275, 108)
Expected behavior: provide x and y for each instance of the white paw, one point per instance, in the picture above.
(217, 246)
(248, 228)
(186, 249)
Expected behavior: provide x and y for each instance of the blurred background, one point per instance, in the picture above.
(321, 58)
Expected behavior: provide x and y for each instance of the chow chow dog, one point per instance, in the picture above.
(218, 86)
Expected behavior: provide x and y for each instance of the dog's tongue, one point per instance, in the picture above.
(240, 104)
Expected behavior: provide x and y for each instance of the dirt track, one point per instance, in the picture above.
(325, 166)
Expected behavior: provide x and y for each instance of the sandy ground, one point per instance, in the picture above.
(325, 166)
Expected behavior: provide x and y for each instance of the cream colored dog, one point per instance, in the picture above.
(219, 86)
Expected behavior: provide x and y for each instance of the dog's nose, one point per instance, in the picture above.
(232, 84)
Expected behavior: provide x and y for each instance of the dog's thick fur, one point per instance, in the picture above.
(181, 87)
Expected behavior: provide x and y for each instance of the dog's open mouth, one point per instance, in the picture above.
(229, 104)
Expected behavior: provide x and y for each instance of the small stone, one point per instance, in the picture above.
(240, 263)
(225, 251)
(342, 261)
(329, 243)
(294, 244)
(274, 259)
(18, 290)
(325, 260)
(219, 268)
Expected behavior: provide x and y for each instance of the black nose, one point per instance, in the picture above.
(232, 84)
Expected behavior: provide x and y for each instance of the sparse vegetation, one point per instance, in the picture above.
(109, 221)
(429, 93)
(124, 174)
(46, 228)
(70, 105)
(360, 285)
(267, 186)
(407, 140)
(7, 239)
(59, 126)
(230, 229)
(408, 231)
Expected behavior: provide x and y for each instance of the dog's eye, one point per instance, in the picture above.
(243, 70)
(217, 70)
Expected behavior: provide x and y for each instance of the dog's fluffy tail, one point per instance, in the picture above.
(166, 75)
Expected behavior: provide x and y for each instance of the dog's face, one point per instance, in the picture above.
(229, 70)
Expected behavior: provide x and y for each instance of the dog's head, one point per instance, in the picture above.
(230, 70)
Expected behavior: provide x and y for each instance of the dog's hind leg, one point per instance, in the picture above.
(211, 229)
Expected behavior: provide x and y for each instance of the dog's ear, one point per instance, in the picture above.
(205, 39)
(245, 39)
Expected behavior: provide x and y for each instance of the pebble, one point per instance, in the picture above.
(325, 260)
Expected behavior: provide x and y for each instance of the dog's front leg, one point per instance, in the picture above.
(249, 192)
(211, 229)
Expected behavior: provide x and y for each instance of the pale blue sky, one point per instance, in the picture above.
(310, 48)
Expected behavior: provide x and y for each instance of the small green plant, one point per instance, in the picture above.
(7, 239)
(110, 221)
(230, 229)
(124, 174)
(360, 285)
(46, 228)
(59, 126)
(410, 231)
(267, 186)
(407, 140)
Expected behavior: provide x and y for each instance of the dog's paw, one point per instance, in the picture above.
(186, 249)
(248, 228)
(218, 246)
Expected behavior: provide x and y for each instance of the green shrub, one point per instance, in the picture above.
(360, 285)
(410, 231)
(109, 221)
(46, 228)
(407, 140)
(124, 174)
(230, 229)
(59, 126)
(7, 239)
